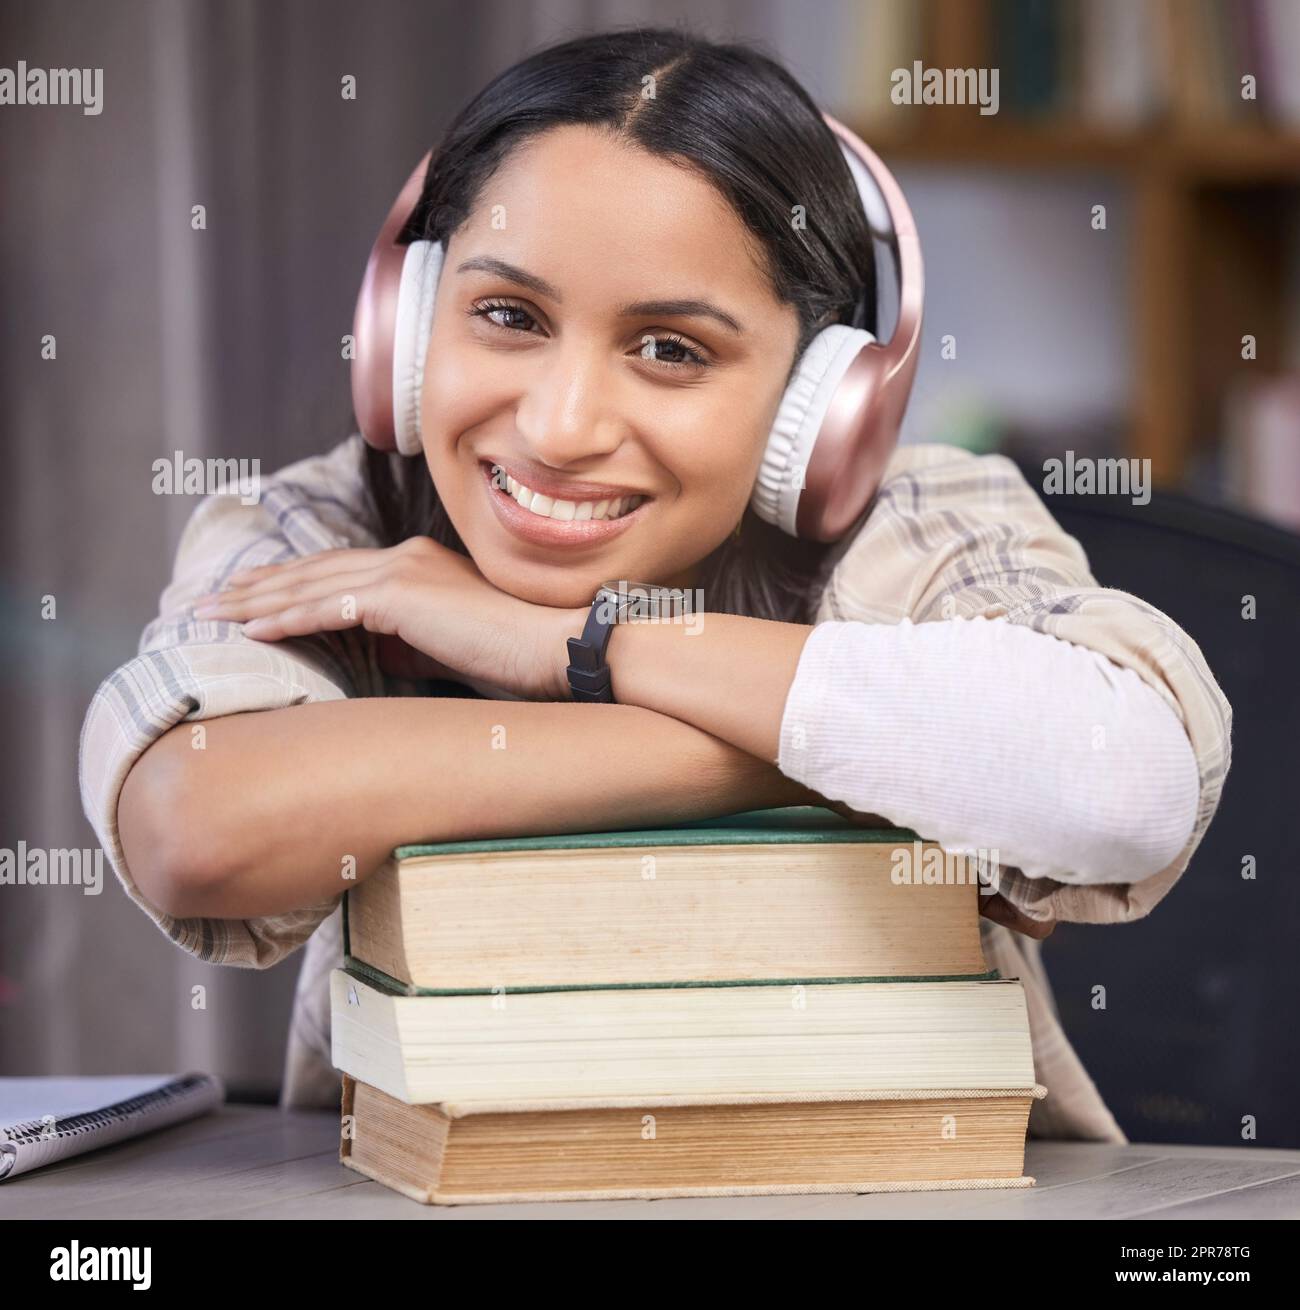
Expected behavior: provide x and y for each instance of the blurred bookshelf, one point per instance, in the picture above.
(1150, 94)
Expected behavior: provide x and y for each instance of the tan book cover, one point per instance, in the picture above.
(764, 896)
(673, 1146)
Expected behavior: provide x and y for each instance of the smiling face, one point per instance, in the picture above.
(562, 378)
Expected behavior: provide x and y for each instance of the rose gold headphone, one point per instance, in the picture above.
(837, 423)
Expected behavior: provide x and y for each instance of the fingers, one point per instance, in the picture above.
(330, 603)
(265, 576)
(1000, 910)
(324, 614)
(306, 565)
(276, 594)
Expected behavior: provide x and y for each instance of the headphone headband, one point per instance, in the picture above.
(860, 428)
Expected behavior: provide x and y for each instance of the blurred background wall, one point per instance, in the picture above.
(1125, 338)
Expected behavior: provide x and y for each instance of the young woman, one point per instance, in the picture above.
(622, 304)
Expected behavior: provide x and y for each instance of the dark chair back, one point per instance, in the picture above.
(1201, 1030)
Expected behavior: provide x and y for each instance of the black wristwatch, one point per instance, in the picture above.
(615, 602)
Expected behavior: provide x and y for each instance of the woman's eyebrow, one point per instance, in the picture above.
(512, 273)
(681, 309)
(641, 308)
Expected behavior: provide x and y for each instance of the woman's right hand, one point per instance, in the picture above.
(434, 600)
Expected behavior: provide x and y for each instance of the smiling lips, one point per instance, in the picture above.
(549, 520)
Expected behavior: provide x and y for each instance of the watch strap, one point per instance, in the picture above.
(589, 676)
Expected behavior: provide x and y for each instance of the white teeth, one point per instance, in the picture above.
(567, 511)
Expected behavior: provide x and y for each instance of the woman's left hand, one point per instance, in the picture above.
(419, 593)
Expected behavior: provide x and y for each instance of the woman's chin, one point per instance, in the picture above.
(529, 582)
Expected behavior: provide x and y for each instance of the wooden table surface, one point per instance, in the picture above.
(260, 1162)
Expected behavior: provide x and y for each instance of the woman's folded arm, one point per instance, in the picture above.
(984, 735)
(961, 536)
(282, 805)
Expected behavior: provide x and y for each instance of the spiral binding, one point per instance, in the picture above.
(37, 1130)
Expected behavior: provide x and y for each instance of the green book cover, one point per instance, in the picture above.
(385, 982)
(789, 824)
(792, 823)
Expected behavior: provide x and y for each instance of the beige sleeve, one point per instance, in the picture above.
(962, 536)
(192, 670)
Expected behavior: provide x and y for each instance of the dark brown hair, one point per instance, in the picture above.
(741, 121)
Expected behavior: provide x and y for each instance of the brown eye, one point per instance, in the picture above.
(673, 352)
(488, 308)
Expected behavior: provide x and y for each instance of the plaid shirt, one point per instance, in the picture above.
(951, 535)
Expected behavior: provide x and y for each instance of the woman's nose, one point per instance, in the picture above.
(566, 409)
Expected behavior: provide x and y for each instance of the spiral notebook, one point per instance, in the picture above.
(47, 1119)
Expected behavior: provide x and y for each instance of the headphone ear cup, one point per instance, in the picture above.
(783, 471)
(416, 297)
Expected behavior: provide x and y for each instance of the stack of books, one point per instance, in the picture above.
(775, 1001)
